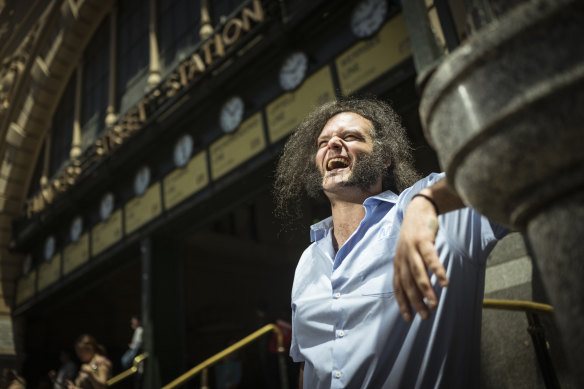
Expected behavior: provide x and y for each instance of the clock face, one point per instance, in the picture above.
(106, 206)
(183, 150)
(27, 264)
(231, 114)
(141, 180)
(367, 17)
(49, 248)
(293, 71)
(76, 228)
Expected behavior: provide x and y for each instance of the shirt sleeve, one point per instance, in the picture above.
(294, 351)
(473, 234)
(406, 195)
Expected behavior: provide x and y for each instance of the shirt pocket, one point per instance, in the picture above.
(380, 287)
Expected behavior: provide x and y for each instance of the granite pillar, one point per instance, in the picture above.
(505, 113)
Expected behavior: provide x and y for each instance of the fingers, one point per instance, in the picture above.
(412, 286)
(416, 284)
(430, 257)
(400, 296)
(406, 290)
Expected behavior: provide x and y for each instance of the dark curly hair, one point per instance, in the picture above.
(297, 175)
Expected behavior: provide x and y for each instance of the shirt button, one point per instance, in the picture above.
(341, 333)
(337, 295)
(338, 374)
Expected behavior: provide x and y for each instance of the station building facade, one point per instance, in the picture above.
(139, 140)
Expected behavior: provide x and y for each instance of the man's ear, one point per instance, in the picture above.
(388, 162)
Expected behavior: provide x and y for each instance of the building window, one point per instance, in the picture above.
(223, 8)
(95, 85)
(179, 22)
(133, 52)
(62, 129)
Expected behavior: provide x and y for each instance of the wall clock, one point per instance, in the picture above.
(106, 206)
(182, 150)
(141, 180)
(231, 114)
(76, 229)
(27, 265)
(49, 250)
(367, 17)
(293, 70)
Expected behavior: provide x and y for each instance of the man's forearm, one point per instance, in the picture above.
(445, 198)
(415, 252)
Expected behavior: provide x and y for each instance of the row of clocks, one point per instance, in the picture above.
(182, 152)
(366, 19)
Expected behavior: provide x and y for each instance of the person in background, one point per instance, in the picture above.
(66, 372)
(135, 345)
(11, 380)
(96, 368)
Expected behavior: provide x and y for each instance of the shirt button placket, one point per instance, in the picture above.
(337, 374)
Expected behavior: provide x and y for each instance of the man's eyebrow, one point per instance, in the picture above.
(351, 131)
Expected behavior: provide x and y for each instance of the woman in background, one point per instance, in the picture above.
(96, 369)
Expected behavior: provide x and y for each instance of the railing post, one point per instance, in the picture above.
(536, 331)
(283, 370)
(281, 358)
(205, 379)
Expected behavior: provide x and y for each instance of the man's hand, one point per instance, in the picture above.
(415, 252)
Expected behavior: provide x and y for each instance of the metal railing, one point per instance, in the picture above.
(532, 311)
(127, 373)
(202, 367)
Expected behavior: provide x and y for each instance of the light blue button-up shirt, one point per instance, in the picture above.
(346, 323)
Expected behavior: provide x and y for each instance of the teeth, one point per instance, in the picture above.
(336, 163)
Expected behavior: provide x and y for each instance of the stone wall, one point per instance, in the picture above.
(508, 358)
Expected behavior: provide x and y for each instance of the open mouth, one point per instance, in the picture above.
(337, 163)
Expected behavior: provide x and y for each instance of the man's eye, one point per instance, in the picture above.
(322, 143)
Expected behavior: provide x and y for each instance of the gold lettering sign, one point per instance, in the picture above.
(141, 210)
(233, 149)
(106, 233)
(288, 110)
(369, 59)
(183, 182)
(25, 287)
(50, 271)
(76, 254)
(187, 73)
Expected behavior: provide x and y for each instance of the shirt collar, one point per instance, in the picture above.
(320, 229)
(387, 196)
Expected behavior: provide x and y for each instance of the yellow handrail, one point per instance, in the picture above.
(126, 373)
(217, 357)
(518, 305)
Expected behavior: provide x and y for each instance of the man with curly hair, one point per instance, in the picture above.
(369, 263)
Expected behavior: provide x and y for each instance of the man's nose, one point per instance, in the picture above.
(335, 143)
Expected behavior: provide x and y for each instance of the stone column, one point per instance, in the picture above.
(76, 142)
(112, 116)
(504, 113)
(162, 310)
(154, 72)
(206, 27)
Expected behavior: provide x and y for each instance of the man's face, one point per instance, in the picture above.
(345, 156)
